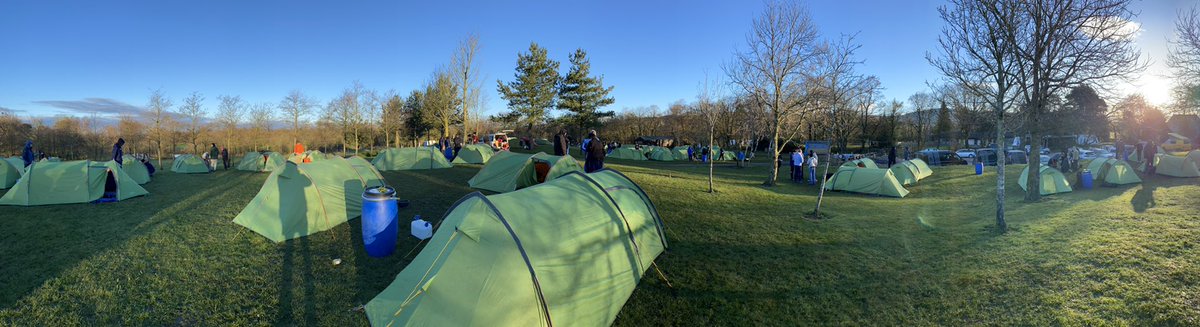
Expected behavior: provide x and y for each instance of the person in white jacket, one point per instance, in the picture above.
(812, 168)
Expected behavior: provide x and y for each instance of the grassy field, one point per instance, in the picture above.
(742, 256)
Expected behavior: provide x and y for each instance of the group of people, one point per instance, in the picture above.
(450, 146)
(1144, 151)
(800, 162)
(215, 156)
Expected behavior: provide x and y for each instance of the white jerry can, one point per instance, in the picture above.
(421, 229)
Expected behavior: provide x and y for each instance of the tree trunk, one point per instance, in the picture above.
(1033, 182)
(1001, 224)
(821, 192)
(711, 158)
(774, 152)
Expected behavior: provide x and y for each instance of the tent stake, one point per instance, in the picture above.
(660, 274)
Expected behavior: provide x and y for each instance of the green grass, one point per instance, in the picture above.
(742, 256)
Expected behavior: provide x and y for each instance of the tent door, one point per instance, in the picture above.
(110, 188)
(542, 169)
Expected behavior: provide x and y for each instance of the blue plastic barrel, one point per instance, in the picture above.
(379, 225)
(1085, 179)
(979, 168)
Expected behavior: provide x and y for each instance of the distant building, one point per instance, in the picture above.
(1186, 125)
(666, 141)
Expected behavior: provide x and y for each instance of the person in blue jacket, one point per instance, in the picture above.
(27, 153)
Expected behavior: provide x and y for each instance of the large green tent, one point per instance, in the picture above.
(626, 153)
(1112, 172)
(680, 152)
(474, 154)
(189, 164)
(410, 159)
(1053, 181)
(508, 171)
(874, 181)
(135, 169)
(661, 154)
(17, 162)
(311, 155)
(261, 162)
(1175, 166)
(569, 252)
(9, 174)
(861, 163)
(910, 172)
(70, 182)
(298, 200)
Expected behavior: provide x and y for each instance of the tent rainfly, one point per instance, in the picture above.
(474, 154)
(311, 155)
(1175, 166)
(17, 162)
(189, 164)
(861, 163)
(661, 154)
(508, 171)
(410, 159)
(875, 181)
(9, 174)
(70, 182)
(627, 154)
(135, 169)
(910, 172)
(680, 152)
(298, 200)
(1112, 172)
(568, 252)
(261, 161)
(1053, 181)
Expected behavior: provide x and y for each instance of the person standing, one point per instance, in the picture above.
(213, 153)
(593, 153)
(812, 168)
(27, 153)
(891, 157)
(458, 144)
(117, 153)
(1151, 149)
(797, 166)
(560, 145)
(225, 157)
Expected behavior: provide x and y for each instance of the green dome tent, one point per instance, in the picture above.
(135, 169)
(873, 181)
(569, 252)
(298, 200)
(312, 155)
(17, 162)
(1053, 181)
(189, 164)
(508, 171)
(9, 174)
(626, 153)
(1174, 166)
(70, 182)
(542, 142)
(255, 161)
(661, 154)
(474, 154)
(680, 152)
(1112, 172)
(861, 163)
(410, 159)
(910, 172)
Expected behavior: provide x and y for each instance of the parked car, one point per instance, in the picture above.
(941, 158)
(965, 153)
(1017, 157)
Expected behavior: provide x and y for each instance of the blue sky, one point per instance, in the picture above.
(77, 57)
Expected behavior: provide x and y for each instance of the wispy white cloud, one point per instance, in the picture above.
(93, 106)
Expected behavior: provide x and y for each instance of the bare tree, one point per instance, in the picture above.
(1065, 43)
(466, 78)
(711, 108)
(976, 53)
(158, 112)
(229, 114)
(782, 48)
(193, 113)
(349, 111)
(296, 107)
(839, 86)
(260, 121)
(1185, 50)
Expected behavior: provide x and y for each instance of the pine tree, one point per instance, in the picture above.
(534, 89)
(943, 127)
(583, 95)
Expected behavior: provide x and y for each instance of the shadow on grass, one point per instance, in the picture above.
(68, 234)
